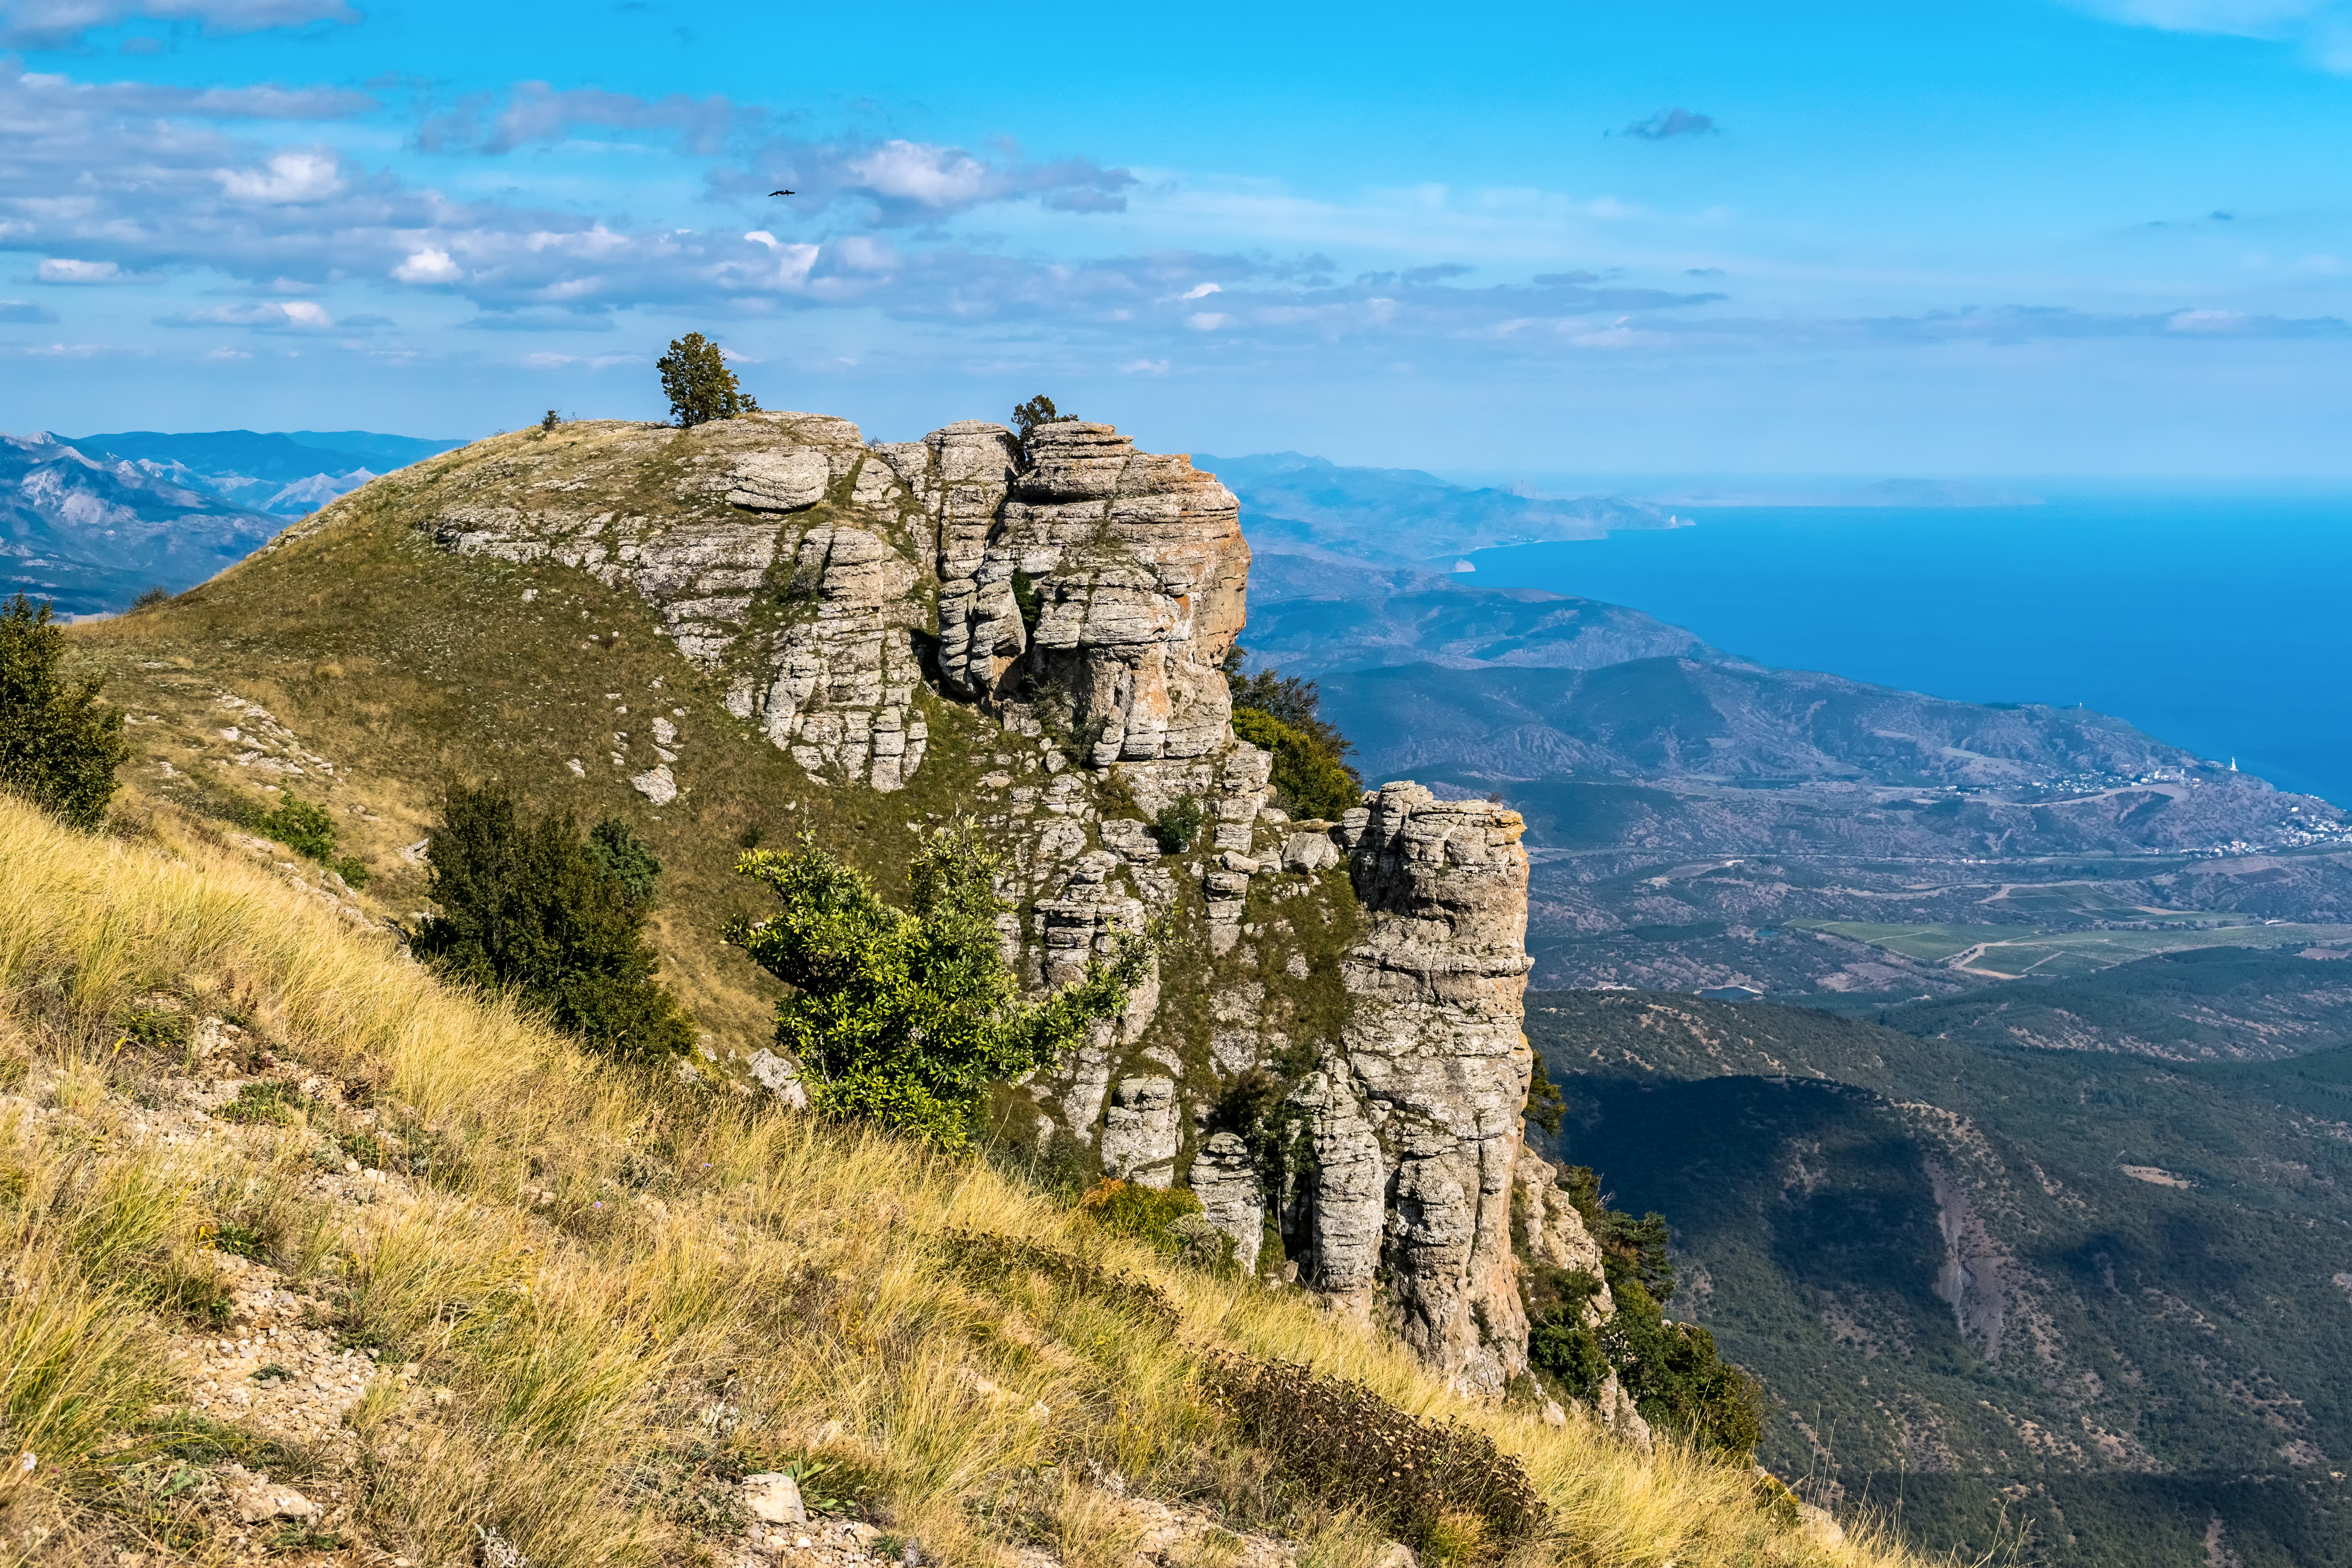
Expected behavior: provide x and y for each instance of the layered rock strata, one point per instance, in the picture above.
(1330, 1055)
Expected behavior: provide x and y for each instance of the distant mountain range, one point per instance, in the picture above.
(88, 522)
(1301, 505)
(287, 473)
(1311, 614)
(1699, 820)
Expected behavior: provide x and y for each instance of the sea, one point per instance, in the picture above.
(2216, 618)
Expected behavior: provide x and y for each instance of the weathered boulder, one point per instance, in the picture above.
(1138, 572)
(786, 480)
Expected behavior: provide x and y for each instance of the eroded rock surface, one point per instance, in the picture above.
(1329, 1053)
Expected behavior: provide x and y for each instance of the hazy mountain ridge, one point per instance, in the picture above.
(1311, 614)
(283, 473)
(89, 521)
(90, 533)
(1727, 722)
(1295, 502)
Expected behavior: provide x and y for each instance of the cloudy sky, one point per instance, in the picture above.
(2008, 238)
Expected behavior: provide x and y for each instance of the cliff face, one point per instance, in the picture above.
(1330, 1055)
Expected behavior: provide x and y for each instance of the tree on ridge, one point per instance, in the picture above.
(700, 386)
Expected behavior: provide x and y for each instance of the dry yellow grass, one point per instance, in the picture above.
(617, 1277)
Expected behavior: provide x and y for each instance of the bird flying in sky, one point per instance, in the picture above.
(779, 193)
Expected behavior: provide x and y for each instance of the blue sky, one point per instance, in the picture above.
(2013, 238)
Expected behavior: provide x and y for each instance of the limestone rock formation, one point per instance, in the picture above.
(1440, 1065)
(1330, 1054)
(1138, 570)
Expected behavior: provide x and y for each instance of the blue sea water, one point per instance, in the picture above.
(2217, 622)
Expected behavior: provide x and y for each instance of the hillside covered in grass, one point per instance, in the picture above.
(311, 1257)
(2076, 1302)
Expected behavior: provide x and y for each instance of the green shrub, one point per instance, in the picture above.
(1283, 715)
(1350, 1446)
(1170, 1221)
(238, 1240)
(528, 906)
(309, 832)
(365, 1147)
(1143, 1214)
(700, 386)
(1308, 776)
(625, 858)
(1025, 599)
(270, 1101)
(157, 1029)
(1559, 1341)
(904, 1017)
(1178, 824)
(1544, 1104)
(58, 747)
(1671, 1371)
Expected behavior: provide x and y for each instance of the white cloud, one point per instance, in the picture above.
(2250, 18)
(536, 112)
(228, 353)
(63, 269)
(275, 316)
(899, 183)
(2206, 321)
(1200, 291)
(914, 171)
(2322, 29)
(860, 254)
(48, 23)
(1206, 321)
(428, 267)
(1144, 367)
(549, 362)
(291, 177)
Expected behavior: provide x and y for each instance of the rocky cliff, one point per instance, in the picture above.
(1330, 1055)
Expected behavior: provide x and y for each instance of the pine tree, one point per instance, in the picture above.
(700, 386)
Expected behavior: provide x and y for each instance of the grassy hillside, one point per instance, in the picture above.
(2076, 1305)
(274, 1202)
(404, 667)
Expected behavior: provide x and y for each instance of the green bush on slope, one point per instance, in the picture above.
(1671, 1371)
(58, 748)
(528, 906)
(307, 830)
(904, 1017)
(1281, 715)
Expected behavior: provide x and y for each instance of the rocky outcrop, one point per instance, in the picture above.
(801, 565)
(1134, 570)
(1439, 1062)
(1334, 1063)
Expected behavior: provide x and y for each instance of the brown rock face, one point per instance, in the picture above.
(1139, 574)
(1439, 1066)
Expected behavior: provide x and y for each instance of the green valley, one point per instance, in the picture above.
(2076, 1308)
